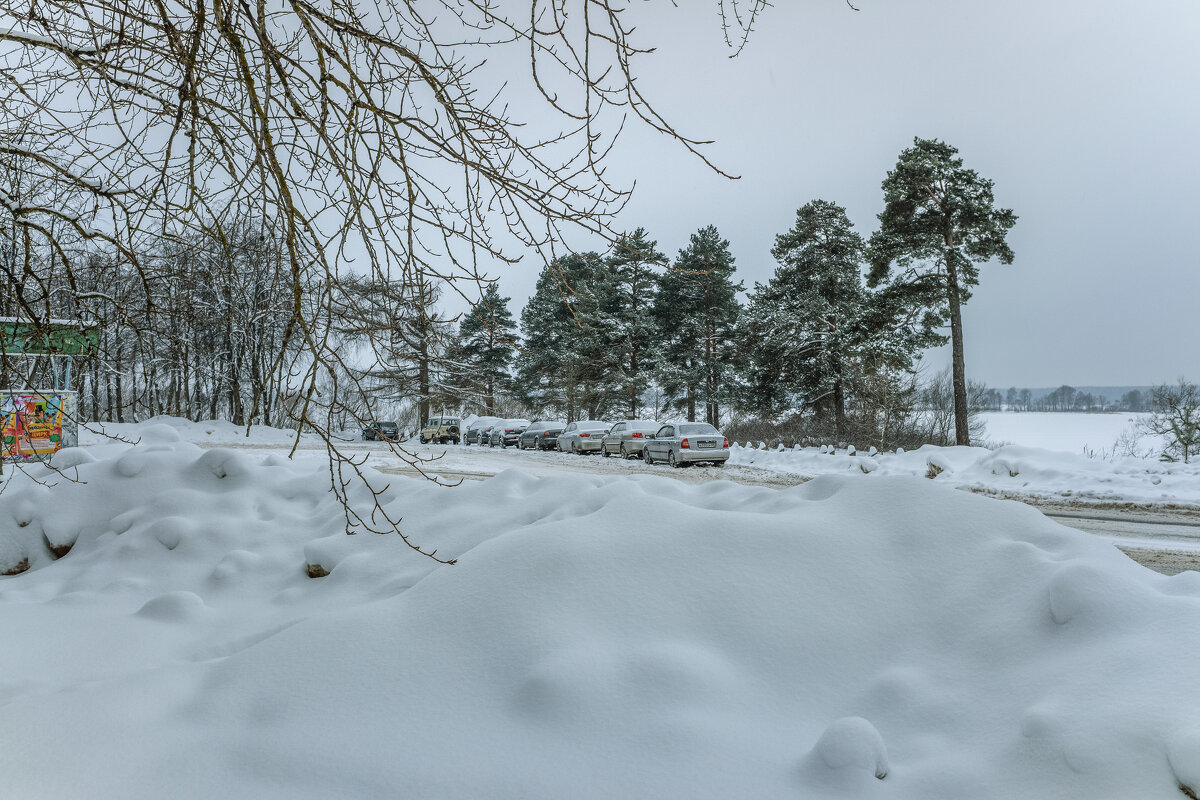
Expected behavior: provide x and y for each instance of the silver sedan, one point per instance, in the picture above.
(583, 436)
(681, 443)
(628, 437)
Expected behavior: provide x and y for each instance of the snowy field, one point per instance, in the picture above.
(1064, 431)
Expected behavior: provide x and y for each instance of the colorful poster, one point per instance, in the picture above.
(34, 425)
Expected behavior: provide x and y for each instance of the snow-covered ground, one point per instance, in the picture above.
(1037, 473)
(1069, 432)
(1011, 471)
(860, 635)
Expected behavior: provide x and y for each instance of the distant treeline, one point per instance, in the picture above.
(1069, 398)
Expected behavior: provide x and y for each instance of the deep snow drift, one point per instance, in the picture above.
(1011, 470)
(599, 638)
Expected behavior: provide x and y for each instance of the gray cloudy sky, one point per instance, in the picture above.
(1085, 114)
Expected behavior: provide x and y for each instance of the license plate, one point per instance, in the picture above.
(707, 445)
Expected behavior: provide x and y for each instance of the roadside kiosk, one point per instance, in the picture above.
(37, 423)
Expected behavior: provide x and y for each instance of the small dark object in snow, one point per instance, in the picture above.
(317, 571)
(58, 550)
(18, 569)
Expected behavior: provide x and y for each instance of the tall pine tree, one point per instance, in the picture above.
(487, 343)
(803, 331)
(696, 312)
(628, 287)
(565, 366)
(938, 224)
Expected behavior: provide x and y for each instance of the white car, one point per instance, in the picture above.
(628, 437)
(583, 437)
(683, 443)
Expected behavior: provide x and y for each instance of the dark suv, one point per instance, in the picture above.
(375, 431)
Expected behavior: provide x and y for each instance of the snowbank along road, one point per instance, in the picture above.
(1167, 541)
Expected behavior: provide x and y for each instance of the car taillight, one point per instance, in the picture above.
(636, 436)
(584, 435)
(726, 442)
(546, 435)
(684, 445)
(508, 430)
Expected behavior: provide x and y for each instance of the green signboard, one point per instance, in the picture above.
(55, 338)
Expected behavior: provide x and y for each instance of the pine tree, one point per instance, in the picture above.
(629, 285)
(696, 312)
(939, 222)
(487, 343)
(405, 339)
(803, 330)
(564, 365)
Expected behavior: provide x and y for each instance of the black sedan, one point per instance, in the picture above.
(375, 431)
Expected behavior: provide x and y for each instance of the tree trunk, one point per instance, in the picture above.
(962, 433)
(94, 370)
(633, 368)
(839, 408)
(119, 399)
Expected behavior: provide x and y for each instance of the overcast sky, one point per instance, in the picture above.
(1086, 116)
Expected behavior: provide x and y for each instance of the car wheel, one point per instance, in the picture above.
(671, 458)
(624, 453)
(574, 449)
(424, 440)
(604, 450)
(718, 463)
(649, 459)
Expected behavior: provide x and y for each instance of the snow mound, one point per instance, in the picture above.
(175, 429)
(598, 638)
(1026, 471)
(851, 743)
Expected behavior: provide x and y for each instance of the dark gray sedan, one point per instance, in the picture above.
(627, 438)
(507, 433)
(387, 431)
(682, 443)
(542, 435)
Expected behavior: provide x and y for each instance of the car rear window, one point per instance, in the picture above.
(697, 429)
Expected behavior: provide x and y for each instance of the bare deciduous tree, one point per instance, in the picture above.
(369, 133)
(1176, 418)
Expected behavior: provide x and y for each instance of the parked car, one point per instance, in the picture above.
(441, 429)
(475, 430)
(626, 438)
(583, 436)
(471, 435)
(375, 431)
(506, 434)
(541, 435)
(485, 434)
(687, 443)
